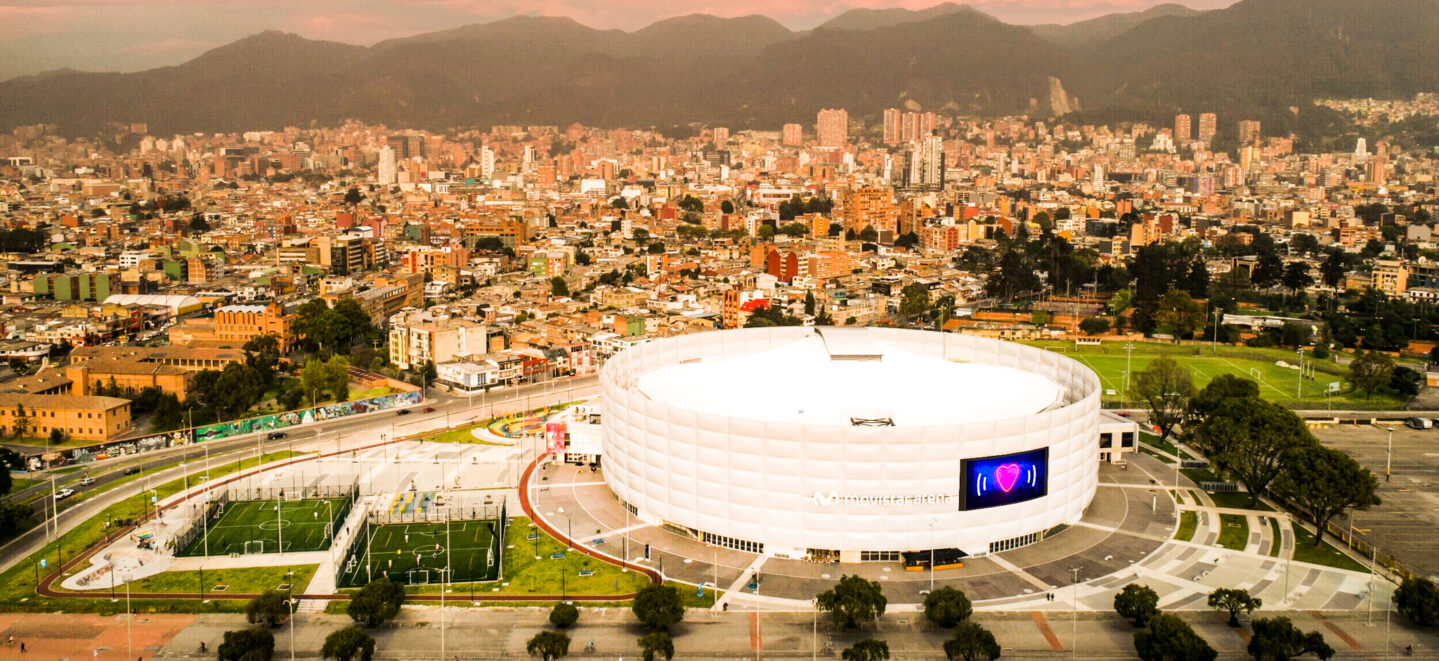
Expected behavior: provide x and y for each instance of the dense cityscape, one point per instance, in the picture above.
(906, 383)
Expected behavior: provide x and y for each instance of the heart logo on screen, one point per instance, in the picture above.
(1007, 475)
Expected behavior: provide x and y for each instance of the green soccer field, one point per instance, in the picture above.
(416, 553)
(257, 526)
(1276, 384)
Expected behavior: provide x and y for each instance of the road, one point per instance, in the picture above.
(361, 428)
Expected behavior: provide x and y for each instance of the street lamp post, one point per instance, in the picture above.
(294, 608)
(1299, 382)
(1128, 366)
(129, 622)
(1074, 620)
(1389, 454)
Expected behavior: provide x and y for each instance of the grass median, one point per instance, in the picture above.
(1324, 554)
(18, 583)
(1233, 531)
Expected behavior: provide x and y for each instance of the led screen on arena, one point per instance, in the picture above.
(1004, 480)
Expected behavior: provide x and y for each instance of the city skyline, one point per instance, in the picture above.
(37, 37)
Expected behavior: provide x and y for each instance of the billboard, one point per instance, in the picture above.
(1004, 479)
(555, 437)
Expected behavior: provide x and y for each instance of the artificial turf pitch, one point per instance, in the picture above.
(257, 523)
(415, 553)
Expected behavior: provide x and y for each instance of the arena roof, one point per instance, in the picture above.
(807, 382)
(180, 304)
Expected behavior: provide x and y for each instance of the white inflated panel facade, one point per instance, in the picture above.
(756, 481)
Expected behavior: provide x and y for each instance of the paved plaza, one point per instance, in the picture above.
(1125, 537)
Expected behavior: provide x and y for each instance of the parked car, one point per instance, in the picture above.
(276, 435)
(132, 470)
(87, 481)
(64, 493)
(402, 412)
(1419, 423)
(429, 409)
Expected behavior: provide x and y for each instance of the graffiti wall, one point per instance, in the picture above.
(216, 432)
(107, 450)
(278, 421)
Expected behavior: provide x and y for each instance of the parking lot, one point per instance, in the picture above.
(1405, 523)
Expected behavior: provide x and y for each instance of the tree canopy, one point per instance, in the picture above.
(854, 600)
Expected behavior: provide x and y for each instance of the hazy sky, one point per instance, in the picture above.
(129, 35)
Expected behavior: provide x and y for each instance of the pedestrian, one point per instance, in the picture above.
(22, 647)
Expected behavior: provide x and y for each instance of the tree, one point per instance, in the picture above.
(270, 609)
(1418, 600)
(947, 607)
(726, 207)
(1325, 483)
(913, 301)
(868, 649)
(198, 223)
(1178, 311)
(809, 302)
(21, 426)
(1219, 390)
(262, 353)
(1296, 276)
(1171, 639)
(559, 288)
(852, 601)
(1234, 601)
(548, 645)
(1406, 382)
(348, 644)
(1094, 325)
(564, 615)
(971, 642)
(353, 196)
(1253, 439)
(57, 436)
(378, 601)
(657, 644)
(659, 607)
(765, 232)
(868, 235)
(1137, 603)
(1120, 301)
(1277, 639)
(1369, 370)
(1268, 271)
(1332, 269)
(247, 645)
(1164, 389)
(907, 240)
(14, 517)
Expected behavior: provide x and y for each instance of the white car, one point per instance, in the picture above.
(64, 493)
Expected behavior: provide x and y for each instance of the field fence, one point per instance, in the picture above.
(240, 493)
(214, 507)
(478, 510)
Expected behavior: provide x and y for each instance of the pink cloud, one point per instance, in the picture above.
(16, 19)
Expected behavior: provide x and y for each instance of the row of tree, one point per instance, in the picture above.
(1169, 638)
(1261, 444)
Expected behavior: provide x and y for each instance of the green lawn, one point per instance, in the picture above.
(417, 553)
(1188, 522)
(1274, 530)
(244, 580)
(1276, 383)
(1237, 500)
(1178, 499)
(526, 573)
(1198, 475)
(1233, 531)
(21, 483)
(17, 584)
(1324, 554)
(377, 391)
(461, 435)
(257, 526)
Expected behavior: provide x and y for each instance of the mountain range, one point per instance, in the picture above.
(1255, 59)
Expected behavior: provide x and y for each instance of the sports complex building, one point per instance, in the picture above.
(853, 444)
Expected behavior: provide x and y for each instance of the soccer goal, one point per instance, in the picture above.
(329, 530)
(419, 576)
(1258, 375)
(293, 494)
(254, 546)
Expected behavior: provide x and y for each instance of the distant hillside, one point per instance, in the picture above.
(870, 19)
(1086, 34)
(1256, 58)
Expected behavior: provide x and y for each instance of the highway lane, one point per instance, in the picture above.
(350, 431)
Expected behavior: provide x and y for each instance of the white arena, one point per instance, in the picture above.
(850, 443)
